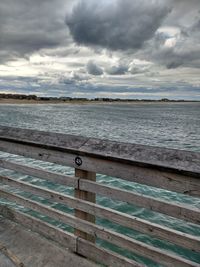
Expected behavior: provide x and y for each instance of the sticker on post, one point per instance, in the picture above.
(78, 161)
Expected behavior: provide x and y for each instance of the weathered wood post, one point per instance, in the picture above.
(91, 197)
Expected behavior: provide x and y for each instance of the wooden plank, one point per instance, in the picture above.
(171, 209)
(66, 239)
(48, 211)
(8, 253)
(51, 212)
(91, 197)
(158, 255)
(170, 181)
(5, 261)
(153, 177)
(104, 256)
(33, 223)
(40, 173)
(110, 258)
(125, 242)
(141, 155)
(162, 232)
(177, 237)
(46, 138)
(35, 250)
(184, 212)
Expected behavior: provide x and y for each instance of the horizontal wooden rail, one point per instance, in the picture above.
(183, 177)
(177, 237)
(154, 204)
(169, 169)
(153, 177)
(67, 240)
(40, 173)
(179, 211)
(104, 256)
(150, 252)
(141, 155)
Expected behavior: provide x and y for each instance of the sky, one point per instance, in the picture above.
(140, 49)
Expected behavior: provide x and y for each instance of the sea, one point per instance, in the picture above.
(173, 125)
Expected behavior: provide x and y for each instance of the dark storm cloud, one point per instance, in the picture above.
(27, 26)
(93, 68)
(117, 24)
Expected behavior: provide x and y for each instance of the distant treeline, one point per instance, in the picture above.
(63, 98)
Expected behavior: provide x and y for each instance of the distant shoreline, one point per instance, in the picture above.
(34, 99)
(85, 102)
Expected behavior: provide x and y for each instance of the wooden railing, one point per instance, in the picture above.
(174, 170)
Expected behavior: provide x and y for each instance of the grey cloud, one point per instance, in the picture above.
(185, 52)
(63, 50)
(67, 87)
(118, 24)
(27, 26)
(93, 68)
(196, 26)
(79, 77)
(130, 30)
(74, 78)
(96, 89)
(117, 70)
(137, 69)
(183, 13)
(123, 68)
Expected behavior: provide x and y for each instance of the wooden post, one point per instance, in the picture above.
(91, 197)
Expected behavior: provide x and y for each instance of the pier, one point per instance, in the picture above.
(26, 240)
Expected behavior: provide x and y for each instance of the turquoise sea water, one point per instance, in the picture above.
(172, 125)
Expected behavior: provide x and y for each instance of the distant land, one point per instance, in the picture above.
(31, 99)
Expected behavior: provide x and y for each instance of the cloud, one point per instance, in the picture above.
(117, 70)
(79, 77)
(138, 68)
(93, 68)
(27, 26)
(109, 47)
(123, 67)
(116, 25)
(180, 50)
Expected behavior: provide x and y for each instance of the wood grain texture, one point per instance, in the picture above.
(34, 250)
(173, 236)
(40, 173)
(66, 239)
(104, 256)
(141, 155)
(173, 209)
(184, 212)
(170, 181)
(13, 258)
(120, 240)
(88, 196)
(169, 169)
